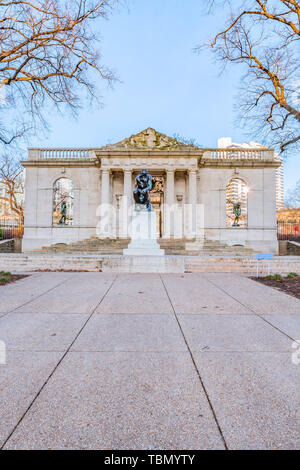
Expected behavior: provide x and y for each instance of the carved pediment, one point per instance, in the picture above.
(149, 139)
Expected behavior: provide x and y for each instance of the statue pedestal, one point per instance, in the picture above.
(143, 235)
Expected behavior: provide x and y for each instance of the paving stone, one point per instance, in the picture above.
(120, 401)
(255, 397)
(193, 293)
(80, 294)
(122, 332)
(31, 332)
(231, 333)
(261, 299)
(289, 324)
(25, 290)
(20, 380)
(141, 391)
(136, 293)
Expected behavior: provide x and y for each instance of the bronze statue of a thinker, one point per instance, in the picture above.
(141, 192)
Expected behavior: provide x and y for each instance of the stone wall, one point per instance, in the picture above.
(261, 231)
(293, 249)
(38, 229)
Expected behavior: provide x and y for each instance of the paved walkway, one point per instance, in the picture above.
(104, 361)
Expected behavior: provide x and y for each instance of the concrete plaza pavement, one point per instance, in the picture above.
(148, 361)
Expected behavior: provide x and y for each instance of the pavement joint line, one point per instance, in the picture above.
(275, 327)
(203, 314)
(135, 314)
(35, 350)
(215, 351)
(196, 368)
(46, 313)
(122, 351)
(259, 315)
(58, 364)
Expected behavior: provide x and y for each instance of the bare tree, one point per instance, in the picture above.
(293, 197)
(264, 36)
(11, 178)
(186, 140)
(49, 52)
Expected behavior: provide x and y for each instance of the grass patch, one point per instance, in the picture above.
(6, 278)
(275, 277)
(292, 275)
(289, 284)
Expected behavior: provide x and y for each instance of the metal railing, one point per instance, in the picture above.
(288, 231)
(9, 229)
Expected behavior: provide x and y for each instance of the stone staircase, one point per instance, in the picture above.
(91, 245)
(183, 247)
(189, 247)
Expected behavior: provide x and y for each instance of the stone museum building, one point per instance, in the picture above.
(202, 197)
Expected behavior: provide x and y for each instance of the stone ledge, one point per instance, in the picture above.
(146, 264)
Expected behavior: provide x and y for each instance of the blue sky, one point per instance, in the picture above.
(163, 83)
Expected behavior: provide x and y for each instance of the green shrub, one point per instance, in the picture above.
(292, 275)
(5, 277)
(275, 277)
(1, 234)
(3, 273)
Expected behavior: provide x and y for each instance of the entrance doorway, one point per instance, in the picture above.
(157, 201)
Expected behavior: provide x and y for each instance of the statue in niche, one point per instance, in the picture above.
(63, 212)
(237, 212)
(141, 192)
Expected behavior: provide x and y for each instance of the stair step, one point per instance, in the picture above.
(171, 246)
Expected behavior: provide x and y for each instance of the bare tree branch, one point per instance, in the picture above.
(263, 36)
(49, 52)
(11, 177)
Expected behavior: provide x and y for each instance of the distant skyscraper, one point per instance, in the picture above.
(225, 142)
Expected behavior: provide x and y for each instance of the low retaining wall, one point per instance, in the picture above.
(148, 264)
(7, 246)
(293, 248)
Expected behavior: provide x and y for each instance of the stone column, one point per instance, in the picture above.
(192, 202)
(105, 205)
(169, 205)
(127, 202)
(128, 186)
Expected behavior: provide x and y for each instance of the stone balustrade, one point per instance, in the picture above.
(207, 154)
(239, 154)
(61, 154)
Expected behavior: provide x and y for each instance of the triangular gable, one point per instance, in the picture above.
(149, 139)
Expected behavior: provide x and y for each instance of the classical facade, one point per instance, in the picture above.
(226, 142)
(78, 194)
